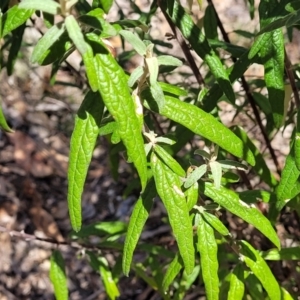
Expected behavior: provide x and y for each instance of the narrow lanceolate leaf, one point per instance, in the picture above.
(3, 123)
(168, 187)
(216, 171)
(216, 223)
(272, 55)
(195, 175)
(58, 276)
(84, 136)
(173, 270)
(200, 44)
(288, 187)
(14, 18)
(168, 60)
(100, 264)
(76, 35)
(107, 279)
(137, 221)
(134, 41)
(203, 124)
(50, 37)
(292, 253)
(237, 287)
(230, 200)
(260, 269)
(192, 195)
(208, 249)
(112, 83)
(48, 6)
(169, 160)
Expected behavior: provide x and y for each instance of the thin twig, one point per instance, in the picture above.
(249, 97)
(185, 48)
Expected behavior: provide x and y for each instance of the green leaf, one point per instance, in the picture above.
(272, 56)
(292, 253)
(104, 4)
(76, 35)
(14, 18)
(58, 276)
(203, 124)
(195, 175)
(101, 229)
(169, 160)
(173, 89)
(260, 269)
(168, 187)
(152, 65)
(158, 95)
(199, 43)
(216, 223)
(100, 264)
(216, 171)
(112, 84)
(288, 187)
(3, 123)
(210, 23)
(208, 249)
(84, 136)
(230, 200)
(172, 271)
(237, 287)
(192, 195)
(168, 60)
(260, 167)
(48, 6)
(137, 221)
(134, 41)
(43, 45)
(135, 76)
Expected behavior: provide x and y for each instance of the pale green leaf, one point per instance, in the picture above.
(165, 140)
(230, 200)
(208, 249)
(58, 276)
(133, 39)
(260, 269)
(14, 18)
(168, 60)
(137, 221)
(195, 175)
(203, 153)
(76, 35)
(216, 171)
(168, 187)
(232, 164)
(152, 65)
(135, 75)
(158, 95)
(47, 40)
(48, 6)
(84, 136)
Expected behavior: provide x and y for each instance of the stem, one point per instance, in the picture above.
(249, 97)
